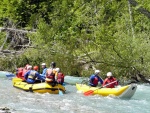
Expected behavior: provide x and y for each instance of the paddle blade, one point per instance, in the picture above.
(87, 93)
(60, 92)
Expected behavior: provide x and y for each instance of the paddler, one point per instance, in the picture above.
(94, 79)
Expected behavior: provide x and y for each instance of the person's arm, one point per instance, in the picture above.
(100, 80)
(26, 75)
(56, 75)
(116, 83)
(104, 82)
(91, 80)
(63, 76)
(39, 76)
(44, 72)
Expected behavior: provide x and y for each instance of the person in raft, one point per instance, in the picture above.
(94, 79)
(110, 80)
(59, 77)
(31, 75)
(21, 71)
(44, 70)
(51, 73)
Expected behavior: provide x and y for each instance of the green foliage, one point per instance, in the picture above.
(25, 12)
(110, 35)
(2, 38)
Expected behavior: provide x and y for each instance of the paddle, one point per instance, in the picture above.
(90, 92)
(60, 92)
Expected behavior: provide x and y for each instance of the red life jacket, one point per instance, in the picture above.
(60, 77)
(109, 80)
(50, 74)
(95, 81)
(19, 72)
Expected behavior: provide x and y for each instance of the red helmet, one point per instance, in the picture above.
(35, 68)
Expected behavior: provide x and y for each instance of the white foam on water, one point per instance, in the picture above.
(72, 102)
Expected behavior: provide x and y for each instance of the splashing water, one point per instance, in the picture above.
(19, 101)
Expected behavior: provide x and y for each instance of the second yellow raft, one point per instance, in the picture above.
(122, 92)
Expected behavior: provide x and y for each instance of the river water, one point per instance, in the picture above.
(19, 101)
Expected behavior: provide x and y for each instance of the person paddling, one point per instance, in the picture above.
(32, 75)
(44, 70)
(50, 74)
(59, 76)
(21, 71)
(94, 79)
(24, 71)
(110, 79)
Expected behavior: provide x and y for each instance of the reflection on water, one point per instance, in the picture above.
(19, 101)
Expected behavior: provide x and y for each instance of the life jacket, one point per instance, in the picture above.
(95, 81)
(50, 75)
(24, 71)
(19, 72)
(60, 77)
(32, 75)
(110, 80)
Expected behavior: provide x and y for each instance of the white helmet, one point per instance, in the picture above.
(97, 71)
(57, 69)
(43, 64)
(29, 67)
(109, 74)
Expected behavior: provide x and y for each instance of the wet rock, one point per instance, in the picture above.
(139, 78)
(143, 78)
(4, 110)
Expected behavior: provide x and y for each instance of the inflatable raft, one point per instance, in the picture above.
(121, 92)
(42, 87)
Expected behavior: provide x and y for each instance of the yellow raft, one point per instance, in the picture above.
(121, 92)
(42, 87)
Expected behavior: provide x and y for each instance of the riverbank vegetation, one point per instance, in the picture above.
(79, 35)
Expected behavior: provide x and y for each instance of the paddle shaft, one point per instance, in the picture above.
(109, 84)
(106, 85)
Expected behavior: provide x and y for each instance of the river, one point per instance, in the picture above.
(19, 101)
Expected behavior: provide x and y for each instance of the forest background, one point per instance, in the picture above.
(79, 35)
